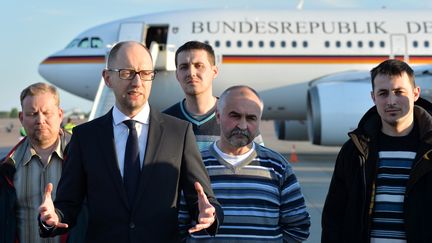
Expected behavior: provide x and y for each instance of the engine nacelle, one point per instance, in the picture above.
(335, 108)
(293, 130)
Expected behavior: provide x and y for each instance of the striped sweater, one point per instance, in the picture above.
(260, 196)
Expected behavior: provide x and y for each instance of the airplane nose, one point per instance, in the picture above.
(75, 73)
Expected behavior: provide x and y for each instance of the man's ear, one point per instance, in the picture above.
(106, 77)
(21, 116)
(417, 92)
(215, 71)
(217, 115)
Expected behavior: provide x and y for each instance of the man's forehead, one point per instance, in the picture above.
(189, 55)
(243, 104)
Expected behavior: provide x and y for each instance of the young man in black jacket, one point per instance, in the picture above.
(382, 183)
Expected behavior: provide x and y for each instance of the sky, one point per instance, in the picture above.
(32, 30)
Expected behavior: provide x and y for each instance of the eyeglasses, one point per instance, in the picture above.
(129, 74)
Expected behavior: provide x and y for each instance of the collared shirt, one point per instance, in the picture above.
(30, 179)
(121, 133)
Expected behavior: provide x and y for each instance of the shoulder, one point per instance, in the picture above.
(91, 125)
(265, 152)
(173, 110)
(347, 149)
(17, 151)
(168, 122)
(272, 159)
(171, 119)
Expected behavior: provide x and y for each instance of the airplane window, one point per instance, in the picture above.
(426, 43)
(73, 43)
(239, 43)
(272, 44)
(207, 42)
(349, 44)
(261, 43)
(415, 44)
(84, 43)
(283, 43)
(327, 44)
(96, 42)
(305, 44)
(382, 44)
(371, 44)
(338, 44)
(250, 44)
(228, 43)
(217, 43)
(294, 44)
(360, 44)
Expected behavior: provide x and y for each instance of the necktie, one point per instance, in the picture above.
(132, 166)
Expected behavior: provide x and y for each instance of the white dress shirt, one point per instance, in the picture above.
(121, 133)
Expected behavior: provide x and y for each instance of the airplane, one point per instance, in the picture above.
(310, 67)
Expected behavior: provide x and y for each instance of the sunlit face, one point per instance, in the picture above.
(41, 118)
(131, 95)
(394, 97)
(194, 72)
(239, 120)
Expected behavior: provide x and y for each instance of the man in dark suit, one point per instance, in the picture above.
(98, 167)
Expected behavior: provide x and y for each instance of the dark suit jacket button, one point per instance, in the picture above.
(131, 225)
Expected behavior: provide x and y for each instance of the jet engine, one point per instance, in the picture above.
(335, 108)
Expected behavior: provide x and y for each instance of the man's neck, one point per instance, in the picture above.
(397, 131)
(45, 151)
(200, 104)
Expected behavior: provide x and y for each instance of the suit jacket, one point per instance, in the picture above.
(172, 163)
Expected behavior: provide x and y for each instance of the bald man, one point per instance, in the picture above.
(131, 164)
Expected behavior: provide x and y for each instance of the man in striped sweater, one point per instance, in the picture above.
(256, 186)
(381, 189)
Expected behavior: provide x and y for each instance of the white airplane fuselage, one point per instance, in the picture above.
(280, 53)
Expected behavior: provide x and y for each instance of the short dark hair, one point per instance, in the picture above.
(116, 48)
(392, 67)
(196, 45)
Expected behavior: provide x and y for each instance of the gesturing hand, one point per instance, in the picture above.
(206, 215)
(47, 211)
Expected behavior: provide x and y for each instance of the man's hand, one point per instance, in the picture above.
(47, 211)
(206, 215)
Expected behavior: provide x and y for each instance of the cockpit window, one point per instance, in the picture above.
(73, 43)
(96, 42)
(84, 43)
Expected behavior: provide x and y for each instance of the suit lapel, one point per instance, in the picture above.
(155, 132)
(106, 133)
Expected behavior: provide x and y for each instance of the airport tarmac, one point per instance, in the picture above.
(313, 168)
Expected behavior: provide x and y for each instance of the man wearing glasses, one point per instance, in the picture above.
(131, 165)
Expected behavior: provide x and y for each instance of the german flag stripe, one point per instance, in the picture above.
(74, 59)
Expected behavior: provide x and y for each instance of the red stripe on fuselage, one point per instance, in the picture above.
(74, 59)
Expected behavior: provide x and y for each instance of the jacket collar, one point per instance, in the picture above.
(370, 125)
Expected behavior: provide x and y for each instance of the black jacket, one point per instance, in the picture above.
(172, 163)
(8, 200)
(345, 215)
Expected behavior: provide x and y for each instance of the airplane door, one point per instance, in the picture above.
(156, 38)
(399, 46)
(131, 31)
